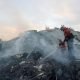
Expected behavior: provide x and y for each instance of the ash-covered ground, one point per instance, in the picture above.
(19, 67)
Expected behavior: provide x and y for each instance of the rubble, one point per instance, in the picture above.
(31, 69)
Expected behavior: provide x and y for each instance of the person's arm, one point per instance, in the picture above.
(66, 39)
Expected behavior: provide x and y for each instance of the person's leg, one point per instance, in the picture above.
(70, 49)
(70, 44)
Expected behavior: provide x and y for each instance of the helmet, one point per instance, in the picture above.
(62, 27)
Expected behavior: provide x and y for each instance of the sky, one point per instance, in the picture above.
(17, 16)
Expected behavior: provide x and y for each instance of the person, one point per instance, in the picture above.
(68, 39)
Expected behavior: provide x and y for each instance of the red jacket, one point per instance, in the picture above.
(67, 33)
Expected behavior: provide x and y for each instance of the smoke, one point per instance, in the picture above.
(44, 41)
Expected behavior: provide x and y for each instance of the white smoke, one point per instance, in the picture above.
(46, 41)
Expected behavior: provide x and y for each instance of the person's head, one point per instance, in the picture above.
(62, 27)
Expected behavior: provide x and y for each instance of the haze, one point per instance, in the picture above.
(17, 16)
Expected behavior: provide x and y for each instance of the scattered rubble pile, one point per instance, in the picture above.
(21, 67)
